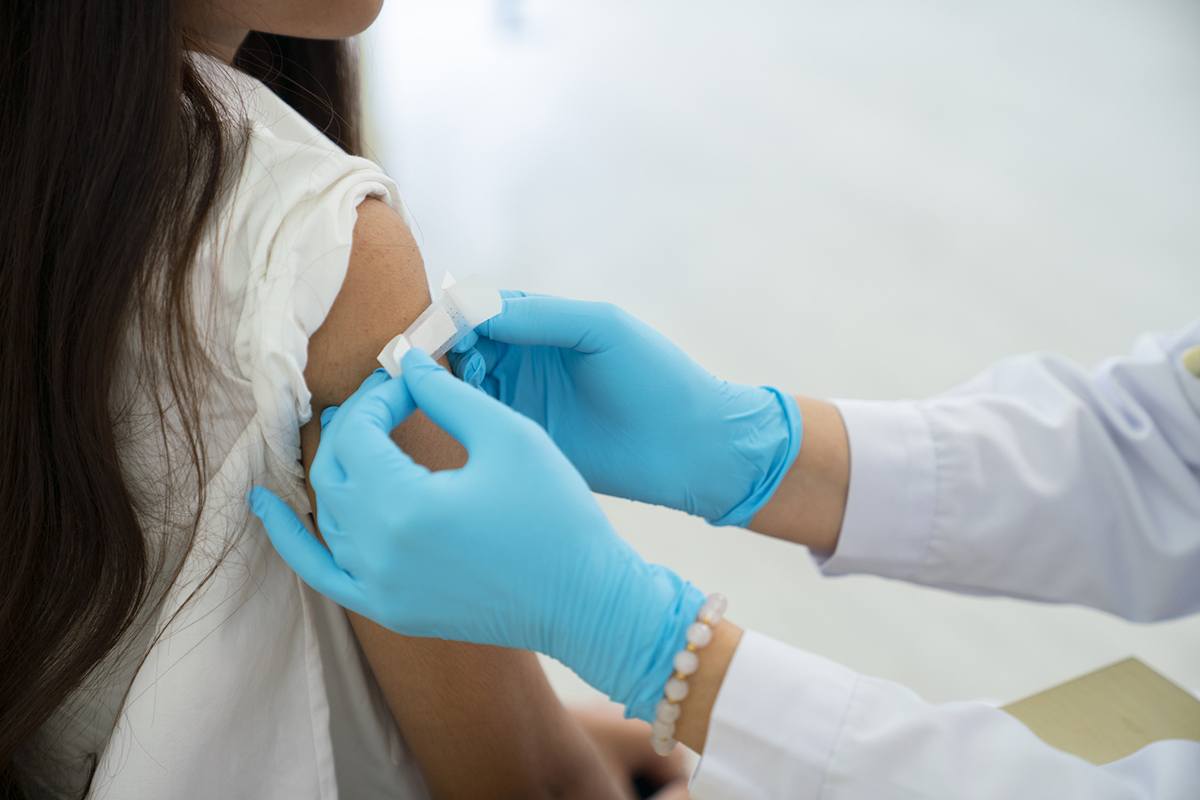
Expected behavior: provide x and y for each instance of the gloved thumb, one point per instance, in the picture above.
(465, 413)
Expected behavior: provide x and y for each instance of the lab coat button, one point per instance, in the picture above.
(1191, 360)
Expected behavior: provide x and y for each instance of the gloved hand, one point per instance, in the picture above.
(636, 415)
(509, 550)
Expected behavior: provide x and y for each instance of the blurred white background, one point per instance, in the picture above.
(869, 199)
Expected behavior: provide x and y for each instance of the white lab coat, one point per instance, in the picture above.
(1037, 479)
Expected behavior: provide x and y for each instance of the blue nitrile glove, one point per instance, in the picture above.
(509, 550)
(636, 415)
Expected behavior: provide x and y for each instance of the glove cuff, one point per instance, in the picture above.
(657, 663)
(784, 456)
(621, 634)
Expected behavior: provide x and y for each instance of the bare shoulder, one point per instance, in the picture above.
(384, 290)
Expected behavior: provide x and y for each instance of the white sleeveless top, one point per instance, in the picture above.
(257, 687)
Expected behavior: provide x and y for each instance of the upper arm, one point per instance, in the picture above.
(480, 720)
(384, 290)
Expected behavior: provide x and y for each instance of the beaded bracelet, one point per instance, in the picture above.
(699, 634)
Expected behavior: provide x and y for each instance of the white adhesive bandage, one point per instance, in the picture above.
(462, 306)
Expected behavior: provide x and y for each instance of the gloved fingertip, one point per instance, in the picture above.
(327, 415)
(255, 499)
(466, 343)
(472, 369)
(458, 362)
(377, 376)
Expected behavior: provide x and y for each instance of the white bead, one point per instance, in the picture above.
(662, 746)
(675, 690)
(686, 662)
(717, 602)
(662, 730)
(666, 711)
(699, 634)
(713, 610)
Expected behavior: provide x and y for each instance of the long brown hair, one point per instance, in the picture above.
(113, 153)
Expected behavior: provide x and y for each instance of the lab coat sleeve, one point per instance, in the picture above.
(789, 724)
(1038, 479)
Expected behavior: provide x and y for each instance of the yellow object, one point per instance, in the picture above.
(1191, 360)
(1112, 712)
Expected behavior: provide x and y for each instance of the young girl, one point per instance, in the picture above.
(192, 267)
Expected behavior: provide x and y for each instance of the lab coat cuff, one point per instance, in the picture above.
(775, 723)
(893, 485)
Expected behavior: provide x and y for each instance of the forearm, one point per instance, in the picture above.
(1038, 479)
(482, 721)
(810, 502)
(793, 724)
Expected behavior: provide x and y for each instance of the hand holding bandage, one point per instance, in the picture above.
(634, 414)
(510, 550)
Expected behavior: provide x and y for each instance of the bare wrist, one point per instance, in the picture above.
(704, 686)
(810, 502)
